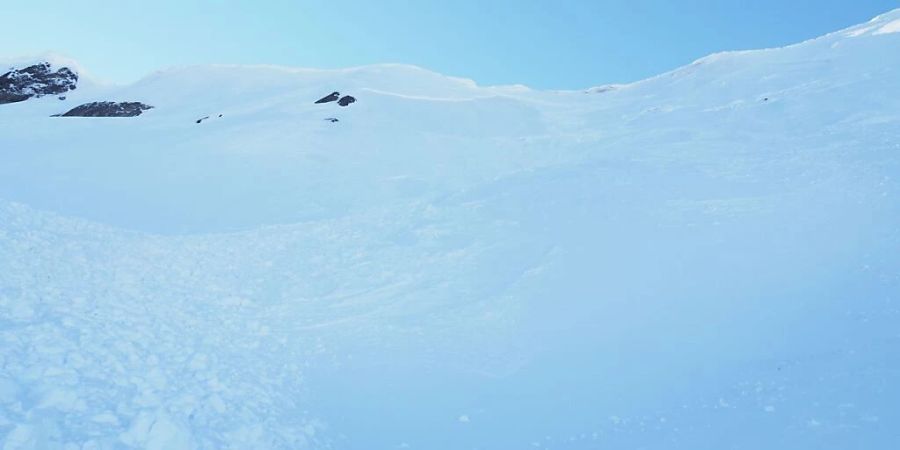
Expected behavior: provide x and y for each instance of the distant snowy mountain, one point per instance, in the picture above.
(213, 258)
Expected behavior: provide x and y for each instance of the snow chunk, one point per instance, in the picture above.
(159, 432)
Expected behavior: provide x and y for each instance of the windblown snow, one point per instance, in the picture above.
(706, 259)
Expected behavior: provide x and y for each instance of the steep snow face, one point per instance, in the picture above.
(706, 259)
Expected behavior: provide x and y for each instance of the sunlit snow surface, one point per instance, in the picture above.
(708, 259)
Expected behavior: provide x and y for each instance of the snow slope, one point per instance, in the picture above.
(706, 259)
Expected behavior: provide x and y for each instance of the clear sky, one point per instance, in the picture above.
(544, 44)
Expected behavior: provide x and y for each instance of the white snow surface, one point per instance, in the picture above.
(706, 259)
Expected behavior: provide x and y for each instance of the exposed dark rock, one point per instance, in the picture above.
(329, 98)
(37, 80)
(346, 100)
(332, 119)
(200, 120)
(108, 109)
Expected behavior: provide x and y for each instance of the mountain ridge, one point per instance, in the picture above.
(879, 25)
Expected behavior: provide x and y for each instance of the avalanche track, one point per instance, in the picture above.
(706, 259)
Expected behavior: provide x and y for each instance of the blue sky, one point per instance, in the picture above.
(545, 44)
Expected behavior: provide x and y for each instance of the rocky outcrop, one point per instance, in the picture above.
(107, 109)
(336, 97)
(204, 118)
(37, 80)
(346, 100)
(332, 97)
